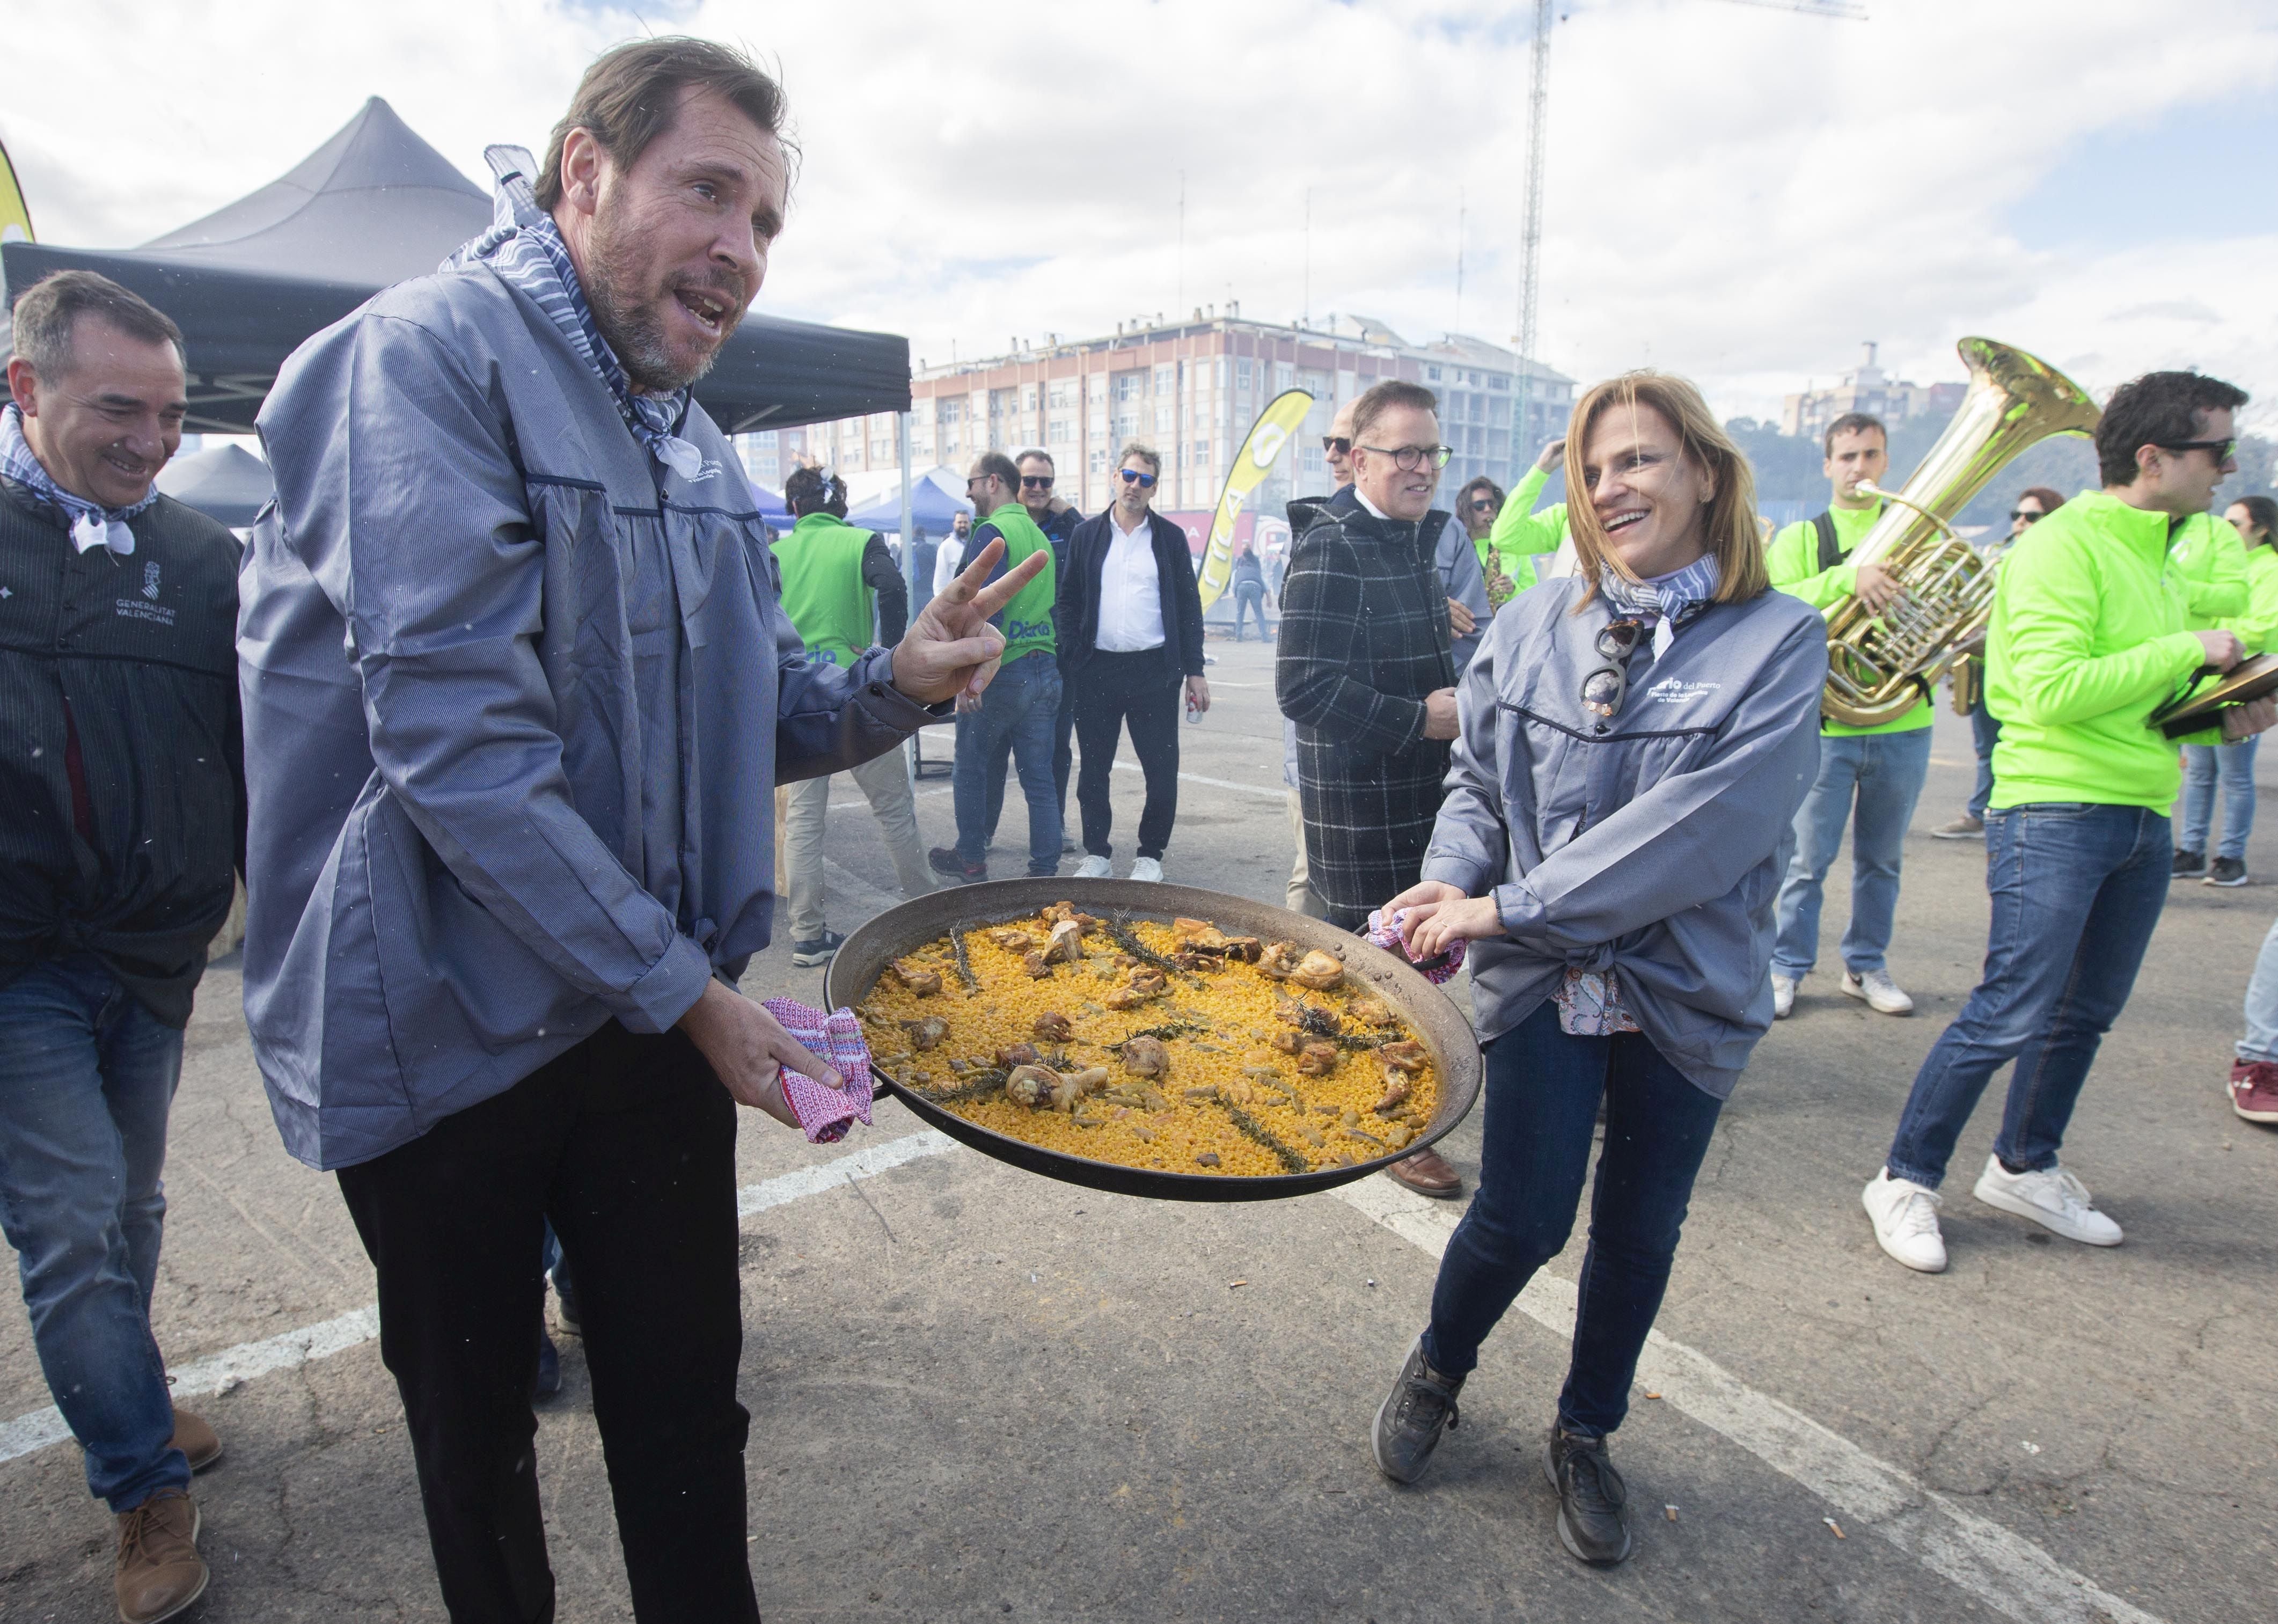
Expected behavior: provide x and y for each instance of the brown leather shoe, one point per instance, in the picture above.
(1427, 1173)
(160, 1571)
(196, 1439)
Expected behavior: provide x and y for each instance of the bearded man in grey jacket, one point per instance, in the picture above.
(518, 690)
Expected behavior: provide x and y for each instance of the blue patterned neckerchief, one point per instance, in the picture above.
(93, 525)
(525, 247)
(1666, 601)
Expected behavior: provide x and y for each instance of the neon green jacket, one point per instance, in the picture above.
(1520, 534)
(823, 588)
(1026, 621)
(1792, 562)
(2258, 627)
(2089, 638)
(2210, 561)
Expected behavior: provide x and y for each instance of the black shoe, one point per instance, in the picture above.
(808, 954)
(944, 860)
(2189, 865)
(2227, 871)
(549, 1366)
(1420, 1407)
(566, 1316)
(1594, 1517)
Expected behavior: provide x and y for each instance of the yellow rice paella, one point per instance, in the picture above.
(1172, 1046)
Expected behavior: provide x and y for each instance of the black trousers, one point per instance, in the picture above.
(1111, 690)
(627, 1143)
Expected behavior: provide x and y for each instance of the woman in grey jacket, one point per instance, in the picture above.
(1635, 740)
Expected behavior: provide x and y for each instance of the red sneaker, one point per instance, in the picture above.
(2254, 1090)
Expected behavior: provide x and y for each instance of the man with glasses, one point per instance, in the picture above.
(2033, 506)
(1015, 715)
(2090, 636)
(1057, 518)
(1880, 769)
(1365, 670)
(1131, 619)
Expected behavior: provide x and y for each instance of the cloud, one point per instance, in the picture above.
(1739, 194)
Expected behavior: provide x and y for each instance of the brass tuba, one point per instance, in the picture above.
(1879, 665)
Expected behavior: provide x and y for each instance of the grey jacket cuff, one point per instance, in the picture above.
(1518, 907)
(1465, 876)
(668, 991)
(889, 705)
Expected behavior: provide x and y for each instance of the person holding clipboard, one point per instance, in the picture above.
(2088, 649)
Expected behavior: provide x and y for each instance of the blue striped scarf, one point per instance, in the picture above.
(525, 247)
(1666, 601)
(93, 525)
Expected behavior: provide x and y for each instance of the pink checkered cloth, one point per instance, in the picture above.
(825, 1113)
(1436, 970)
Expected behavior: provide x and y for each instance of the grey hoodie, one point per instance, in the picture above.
(1648, 842)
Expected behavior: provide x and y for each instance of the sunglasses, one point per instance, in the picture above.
(1336, 445)
(1605, 688)
(2031, 516)
(1408, 459)
(1483, 504)
(2220, 450)
(1132, 476)
(1035, 482)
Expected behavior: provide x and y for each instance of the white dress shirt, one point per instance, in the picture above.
(1130, 591)
(947, 561)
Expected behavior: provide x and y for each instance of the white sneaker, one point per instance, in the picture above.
(1882, 994)
(1905, 1220)
(1783, 996)
(2054, 1200)
(1094, 868)
(1147, 870)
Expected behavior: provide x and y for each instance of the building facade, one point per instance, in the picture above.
(1870, 389)
(1191, 390)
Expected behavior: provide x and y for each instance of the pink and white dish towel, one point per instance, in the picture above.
(1440, 967)
(825, 1113)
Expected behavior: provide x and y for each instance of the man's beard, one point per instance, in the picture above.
(636, 331)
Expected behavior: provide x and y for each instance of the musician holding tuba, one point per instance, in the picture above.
(1879, 767)
(2091, 635)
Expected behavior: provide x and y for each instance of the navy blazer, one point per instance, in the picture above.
(1175, 567)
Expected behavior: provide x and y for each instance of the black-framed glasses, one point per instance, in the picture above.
(2220, 450)
(1408, 459)
(1336, 445)
(1035, 482)
(1606, 686)
(1132, 476)
(1484, 504)
(2031, 516)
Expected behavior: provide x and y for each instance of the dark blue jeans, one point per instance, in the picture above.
(1542, 1092)
(2076, 889)
(1019, 712)
(87, 1077)
(1985, 732)
(1250, 596)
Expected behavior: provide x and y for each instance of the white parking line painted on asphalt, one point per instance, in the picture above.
(1278, 791)
(219, 1372)
(2003, 1570)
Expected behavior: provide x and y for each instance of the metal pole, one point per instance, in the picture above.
(909, 560)
(1531, 244)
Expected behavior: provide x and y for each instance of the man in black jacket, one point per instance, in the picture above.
(1131, 628)
(122, 810)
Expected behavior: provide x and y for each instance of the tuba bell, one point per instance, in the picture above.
(1881, 664)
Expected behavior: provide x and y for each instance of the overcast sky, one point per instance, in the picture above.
(1735, 192)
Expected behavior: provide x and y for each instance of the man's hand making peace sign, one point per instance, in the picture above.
(951, 648)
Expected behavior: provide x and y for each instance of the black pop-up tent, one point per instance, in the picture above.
(372, 206)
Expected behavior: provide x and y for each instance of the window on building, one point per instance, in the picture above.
(951, 410)
(1097, 389)
(1028, 397)
(1431, 374)
(1129, 386)
(1201, 454)
(1498, 381)
(1060, 431)
(1098, 460)
(1127, 424)
(1166, 418)
(1166, 379)
(1059, 395)
(1285, 377)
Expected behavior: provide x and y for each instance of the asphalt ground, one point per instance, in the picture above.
(979, 1394)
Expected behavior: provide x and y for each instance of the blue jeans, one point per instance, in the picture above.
(1543, 1087)
(1986, 729)
(87, 1076)
(1249, 596)
(1019, 711)
(2204, 765)
(1885, 771)
(2261, 1040)
(2076, 889)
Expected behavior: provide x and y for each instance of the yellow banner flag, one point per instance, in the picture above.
(13, 211)
(1263, 442)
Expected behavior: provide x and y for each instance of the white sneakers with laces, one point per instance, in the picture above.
(1879, 993)
(1149, 870)
(1093, 868)
(1905, 1214)
(2052, 1198)
(1783, 996)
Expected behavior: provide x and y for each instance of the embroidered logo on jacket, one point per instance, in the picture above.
(147, 608)
(1675, 690)
(150, 580)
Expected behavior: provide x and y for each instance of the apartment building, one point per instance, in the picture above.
(1869, 389)
(1191, 390)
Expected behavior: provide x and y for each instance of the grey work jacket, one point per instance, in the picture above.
(1648, 843)
(516, 702)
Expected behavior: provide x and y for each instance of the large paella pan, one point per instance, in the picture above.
(1099, 1031)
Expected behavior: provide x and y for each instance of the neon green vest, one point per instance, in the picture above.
(822, 589)
(1026, 621)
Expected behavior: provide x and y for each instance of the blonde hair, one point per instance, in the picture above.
(1731, 522)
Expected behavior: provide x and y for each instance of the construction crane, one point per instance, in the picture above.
(1538, 102)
